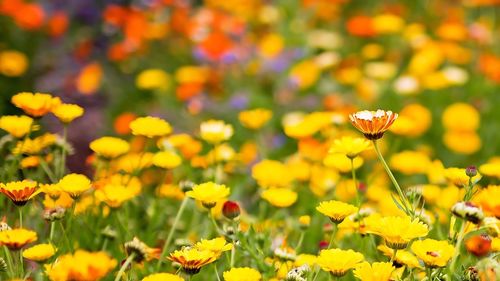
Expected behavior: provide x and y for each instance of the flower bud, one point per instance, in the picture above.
(54, 214)
(109, 233)
(231, 210)
(478, 245)
(186, 185)
(468, 211)
(304, 222)
(471, 171)
(471, 274)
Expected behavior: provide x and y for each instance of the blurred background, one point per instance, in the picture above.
(188, 61)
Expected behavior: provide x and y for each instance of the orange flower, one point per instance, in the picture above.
(58, 24)
(20, 191)
(89, 78)
(373, 124)
(361, 26)
(478, 245)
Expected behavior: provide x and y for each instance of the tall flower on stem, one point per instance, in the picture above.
(373, 125)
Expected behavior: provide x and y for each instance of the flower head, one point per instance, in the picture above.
(403, 257)
(66, 113)
(166, 159)
(40, 252)
(337, 261)
(209, 193)
(141, 251)
(396, 231)
(468, 211)
(163, 277)
(215, 131)
(337, 211)
(17, 126)
(17, 238)
(271, 173)
(109, 147)
(80, 266)
(74, 184)
(35, 105)
(192, 260)
(487, 200)
(377, 271)
(150, 127)
(255, 118)
(349, 146)
(373, 124)
(280, 197)
(242, 274)
(20, 191)
(216, 246)
(432, 252)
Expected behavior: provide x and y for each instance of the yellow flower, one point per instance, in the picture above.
(388, 23)
(34, 146)
(37, 104)
(304, 221)
(461, 117)
(488, 200)
(216, 246)
(306, 259)
(66, 113)
(163, 277)
(490, 169)
(114, 195)
(166, 159)
(458, 177)
(13, 63)
(377, 271)
(462, 142)
(215, 131)
(280, 197)
(150, 127)
(40, 252)
(152, 79)
(242, 274)
(20, 191)
(134, 161)
(410, 162)
(304, 74)
(109, 147)
(271, 173)
(170, 191)
(373, 124)
(337, 211)
(338, 262)
(396, 231)
(342, 163)
(255, 118)
(432, 252)
(414, 120)
(17, 238)
(81, 266)
(74, 184)
(495, 244)
(192, 260)
(349, 146)
(209, 193)
(17, 126)
(403, 257)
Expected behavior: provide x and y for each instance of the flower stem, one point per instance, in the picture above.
(301, 240)
(394, 255)
(408, 210)
(456, 252)
(51, 233)
(63, 151)
(127, 262)
(20, 209)
(9, 262)
(217, 272)
(172, 230)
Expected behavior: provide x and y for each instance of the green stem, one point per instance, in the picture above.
(217, 272)
(172, 230)
(332, 238)
(408, 210)
(301, 240)
(429, 273)
(20, 209)
(10, 264)
(51, 233)
(393, 258)
(63, 151)
(214, 223)
(65, 236)
(47, 170)
(456, 253)
(21, 264)
(127, 262)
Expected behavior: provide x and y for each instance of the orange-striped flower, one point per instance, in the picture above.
(20, 191)
(373, 124)
(192, 259)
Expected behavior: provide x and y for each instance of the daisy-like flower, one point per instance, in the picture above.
(66, 112)
(256, 118)
(166, 159)
(338, 262)
(35, 105)
(17, 238)
(349, 146)
(432, 252)
(485, 199)
(74, 184)
(242, 274)
(215, 131)
(150, 127)
(396, 231)
(16, 126)
(216, 246)
(40, 252)
(377, 271)
(141, 251)
(459, 178)
(402, 257)
(20, 192)
(82, 265)
(163, 277)
(109, 147)
(468, 211)
(337, 211)
(192, 260)
(209, 193)
(373, 124)
(280, 197)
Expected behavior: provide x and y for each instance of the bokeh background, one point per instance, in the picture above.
(188, 61)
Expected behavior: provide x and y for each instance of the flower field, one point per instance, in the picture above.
(247, 140)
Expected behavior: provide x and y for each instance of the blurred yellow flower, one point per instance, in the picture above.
(20, 191)
(35, 105)
(397, 232)
(17, 238)
(487, 198)
(150, 127)
(280, 197)
(215, 131)
(336, 211)
(153, 79)
(162, 277)
(114, 195)
(388, 23)
(461, 117)
(377, 271)
(338, 262)
(170, 191)
(349, 146)
(459, 178)
(414, 120)
(13, 63)
(216, 246)
(17, 126)
(242, 274)
(410, 162)
(255, 118)
(192, 74)
(341, 162)
(192, 260)
(208, 193)
(403, 257)
(271, 173)
(271, 45)
(109, 147)
(74, 184)
(491, 169)
(82, 265)
(304, 74)
(66, 113)
(40, 252)
(432, 252)
(462, 142)
(166, 159)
